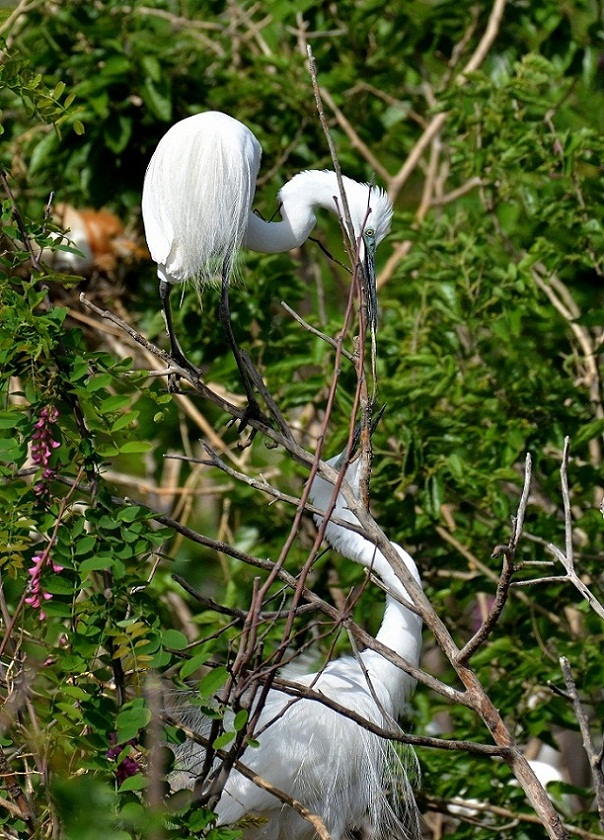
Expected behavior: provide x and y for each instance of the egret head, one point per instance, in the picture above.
(371, 217)
(370, 211)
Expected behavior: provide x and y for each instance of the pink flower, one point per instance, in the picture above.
(37, 595)
(43, 443)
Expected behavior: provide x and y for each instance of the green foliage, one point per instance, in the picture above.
(489, 348)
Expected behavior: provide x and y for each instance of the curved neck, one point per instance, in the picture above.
(401, 629)
(277, 237)
(298, 200)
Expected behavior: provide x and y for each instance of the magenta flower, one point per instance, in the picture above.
(43, 443)
(37, 596)
(128, 766)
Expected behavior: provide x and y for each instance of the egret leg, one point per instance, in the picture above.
(176, 350)
(253, 409)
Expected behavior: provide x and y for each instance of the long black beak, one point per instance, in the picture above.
(368, 268)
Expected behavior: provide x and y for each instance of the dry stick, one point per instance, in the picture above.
(299, 512)
(488, 573)
(298, 453)
(396, 182)
(300, 584)
(594, 756)
(566, 557)
(215, 461)
(233, 612)
(23, 8)
(302, 691)
(121, 349)
(353, 248)
(503, 585)
(435, 803)
(355, 140)
(314, 331)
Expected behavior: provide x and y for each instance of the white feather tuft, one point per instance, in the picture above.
(197, 195)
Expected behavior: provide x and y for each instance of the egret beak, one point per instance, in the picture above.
(368, 269)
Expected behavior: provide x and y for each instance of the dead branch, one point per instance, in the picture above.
(595, 756)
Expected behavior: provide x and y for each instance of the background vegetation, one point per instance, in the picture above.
(484, 122)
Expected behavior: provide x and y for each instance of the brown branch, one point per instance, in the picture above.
(398, 181)
(436, 803)
(296, 689)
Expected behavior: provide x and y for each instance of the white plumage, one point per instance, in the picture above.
(197, 208)
(347, 775)
(198, 195)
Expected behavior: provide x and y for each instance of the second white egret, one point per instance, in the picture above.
(334, 767)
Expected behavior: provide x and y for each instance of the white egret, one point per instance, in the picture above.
(197, 211)
(328, 762)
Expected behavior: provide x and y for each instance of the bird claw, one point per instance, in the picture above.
(252, 412)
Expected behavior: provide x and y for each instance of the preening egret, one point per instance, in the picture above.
(334, 767)
(197, 210)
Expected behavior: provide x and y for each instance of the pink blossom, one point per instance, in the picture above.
(37, 595)
(43, 443)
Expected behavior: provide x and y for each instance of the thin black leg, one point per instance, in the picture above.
(176, 350)
(253, 409)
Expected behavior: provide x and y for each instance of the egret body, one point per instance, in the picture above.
(334, 767)
(197, 207)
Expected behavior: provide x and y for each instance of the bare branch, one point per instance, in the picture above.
(594, 756)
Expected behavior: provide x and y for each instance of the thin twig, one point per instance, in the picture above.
(503, 584)
(443, 805)
(314, 331)
(594, 756)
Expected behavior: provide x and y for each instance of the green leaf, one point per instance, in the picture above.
(136, 782)
(240, 720)
(193, 664)
(588, 432)
(174, 639)
(135, 447)
(213, 681)
(132, 718)
(95, 564)
(223, 740)
(157, 98)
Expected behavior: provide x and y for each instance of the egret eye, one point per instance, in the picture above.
(369, 232)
